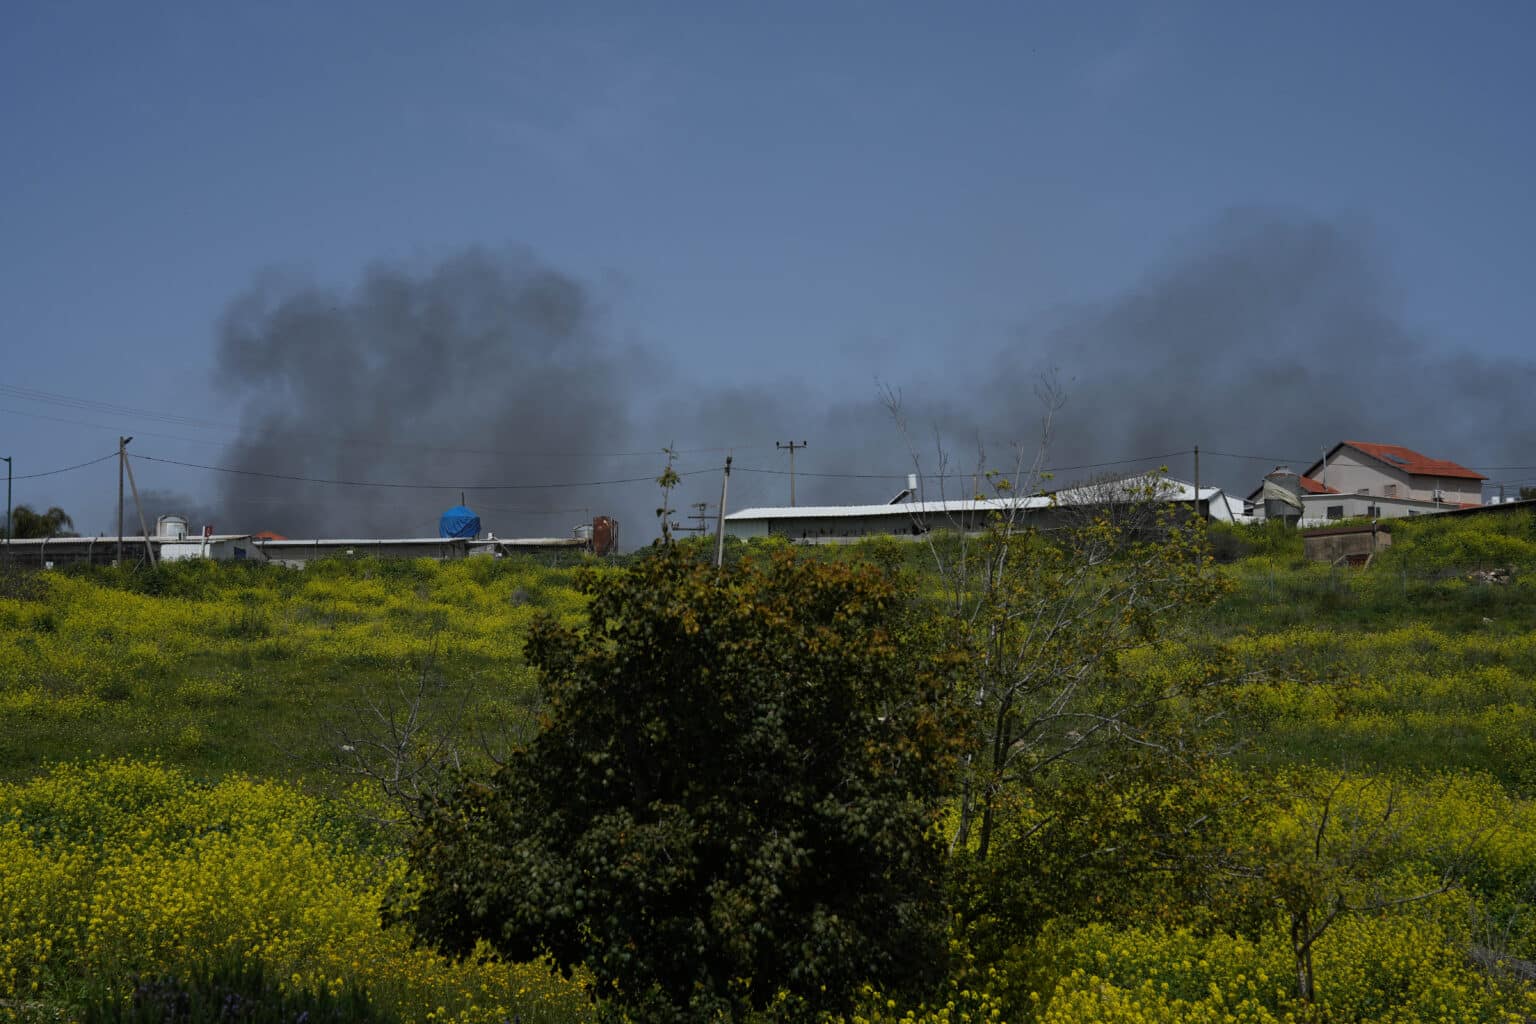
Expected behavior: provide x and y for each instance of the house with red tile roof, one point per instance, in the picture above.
(1383, 481)
(1392, 471)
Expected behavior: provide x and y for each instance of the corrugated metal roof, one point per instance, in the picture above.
(911, 508)
(1168, 489)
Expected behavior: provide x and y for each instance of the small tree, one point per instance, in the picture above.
(731, 806)
(1088, 774)
(1331, 848)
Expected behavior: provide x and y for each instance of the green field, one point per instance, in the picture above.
(186, 758)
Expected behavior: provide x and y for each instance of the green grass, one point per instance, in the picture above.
(219, 667)
(1405, 664)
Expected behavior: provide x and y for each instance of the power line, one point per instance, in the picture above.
(1254, 458)
(93, 405)
(67, 469)
(103, 426)
(130, 412)
(411, 486)
(956, 476)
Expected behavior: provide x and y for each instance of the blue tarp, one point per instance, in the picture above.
(459, 521)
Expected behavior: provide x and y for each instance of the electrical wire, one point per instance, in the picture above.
(92, 405)
(411, 486)
(951, 476)
(66, 469)
(129, 412)
(1255, 458)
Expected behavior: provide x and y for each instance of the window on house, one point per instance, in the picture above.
(1390, 490)
(1364, 490)
(1373, 511)
(1335, 511)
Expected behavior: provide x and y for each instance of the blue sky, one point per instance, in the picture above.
(805, 194)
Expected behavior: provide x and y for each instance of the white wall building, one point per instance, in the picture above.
(842, 524)
(1366, 480)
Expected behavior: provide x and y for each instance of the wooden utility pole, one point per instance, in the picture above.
(122, 463)
(720, 523)
(790, 446)
(9, 539)
(149, 549)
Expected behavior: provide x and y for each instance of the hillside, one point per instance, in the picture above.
(188, 759)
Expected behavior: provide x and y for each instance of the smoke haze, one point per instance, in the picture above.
(1265, 334)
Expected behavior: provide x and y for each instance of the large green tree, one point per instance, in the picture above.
(732, 805)
(28, 523)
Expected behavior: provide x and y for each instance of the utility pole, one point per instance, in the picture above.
(1197, 480)
(700, 517)
(122, 462)
(720, 523)
(790, 446)
(149, 549)
(8, 537)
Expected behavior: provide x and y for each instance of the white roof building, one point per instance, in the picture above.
(834, 524)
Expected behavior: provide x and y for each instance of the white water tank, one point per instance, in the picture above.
(171, 526)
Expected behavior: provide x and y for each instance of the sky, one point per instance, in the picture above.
(281, 238)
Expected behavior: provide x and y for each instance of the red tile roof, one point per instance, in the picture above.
(1412, 462)
(1314, 487)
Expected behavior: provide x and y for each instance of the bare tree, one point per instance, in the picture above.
(1326, 852)
(1045, 593)
(413, 739)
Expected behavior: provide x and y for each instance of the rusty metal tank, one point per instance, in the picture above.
(605, 535)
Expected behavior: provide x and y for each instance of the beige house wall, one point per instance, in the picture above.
(1350, 472)
(1353, 472)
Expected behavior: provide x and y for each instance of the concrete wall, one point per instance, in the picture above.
(217, 550)
(1316, 508)
(1348, 545)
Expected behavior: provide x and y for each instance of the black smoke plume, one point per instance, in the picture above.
(1265, 335)
(487, 373)
(1272, 336)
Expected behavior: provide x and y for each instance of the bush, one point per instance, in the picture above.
(730, 808)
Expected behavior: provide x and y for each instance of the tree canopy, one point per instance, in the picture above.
(732, 804)
(27, 523)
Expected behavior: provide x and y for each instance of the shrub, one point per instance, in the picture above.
(730, 808)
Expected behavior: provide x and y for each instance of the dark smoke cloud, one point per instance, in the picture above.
(486, 369)
(1265, 334)
(1272, 335)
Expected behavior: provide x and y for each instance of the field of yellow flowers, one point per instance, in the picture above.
(117, 868)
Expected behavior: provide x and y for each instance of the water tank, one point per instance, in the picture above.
(605, 535)
(459, 521)
(1282, 496)
(172, 526)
